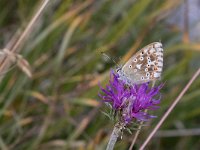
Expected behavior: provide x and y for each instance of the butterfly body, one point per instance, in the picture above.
(146, 65)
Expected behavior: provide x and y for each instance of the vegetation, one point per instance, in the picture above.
(59, 107)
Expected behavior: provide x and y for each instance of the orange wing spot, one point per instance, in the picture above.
(155, 68)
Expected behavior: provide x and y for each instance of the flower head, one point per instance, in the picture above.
(130, 101)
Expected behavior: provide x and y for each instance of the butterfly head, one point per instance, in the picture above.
(123, 77)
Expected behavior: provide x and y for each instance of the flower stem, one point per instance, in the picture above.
(115, 134)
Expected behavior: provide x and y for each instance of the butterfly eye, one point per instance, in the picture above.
(141, 58)
(135, 60)
(149, 61)
(142, 78)
(148, 65)
(146, 69)
(130, 66)
(148, 58)
(142, 53)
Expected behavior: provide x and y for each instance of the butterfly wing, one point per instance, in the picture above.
(146, 65)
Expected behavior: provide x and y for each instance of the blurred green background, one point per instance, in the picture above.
(59, 107)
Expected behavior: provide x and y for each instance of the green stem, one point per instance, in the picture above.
(115, 134)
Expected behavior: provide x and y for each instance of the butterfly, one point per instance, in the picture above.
(146, 65)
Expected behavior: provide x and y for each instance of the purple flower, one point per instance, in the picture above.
(130, 102)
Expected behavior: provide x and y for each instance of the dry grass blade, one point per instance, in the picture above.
(61, 144)
(186, 37)
(19, 60)
(170, 109)
(179, 132)
(30, 26)
(5, 62)
(66, 16)
(84, 123)
(40, 97)
(24, 65)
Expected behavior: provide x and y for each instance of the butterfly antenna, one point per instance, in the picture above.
(104, 54)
